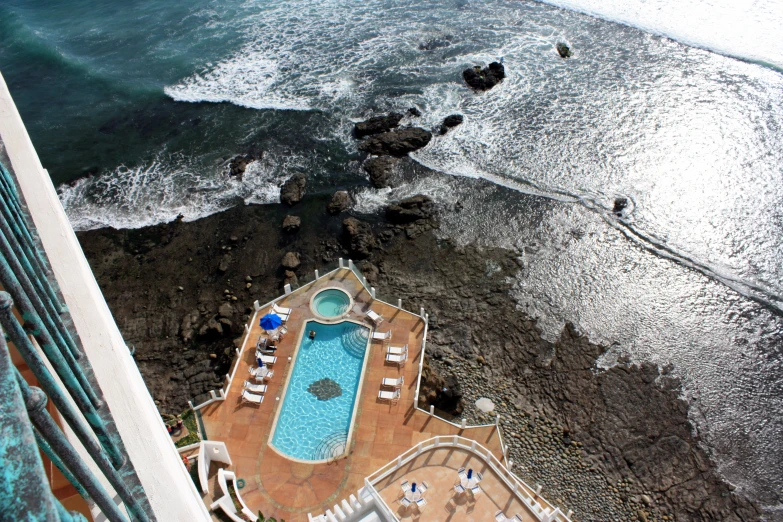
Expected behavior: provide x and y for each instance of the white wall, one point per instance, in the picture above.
(170, 490)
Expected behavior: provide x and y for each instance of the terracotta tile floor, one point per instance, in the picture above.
(286, 489)
(438, 468)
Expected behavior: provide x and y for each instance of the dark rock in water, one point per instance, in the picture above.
(377, 125)
(291, 223)
(397, 142)
(486, 78)
(361, 240)
(413, 111)
(620, 204)
(434, 43)
(325, 389)
(411, 209)
(563, 50)
(340, 201)
(293, 189)
(238, 164)
(380, 170)
(453, 120)
(291, 260)
(449, 122)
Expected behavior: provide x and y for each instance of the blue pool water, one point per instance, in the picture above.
(318, 405)
(331, 302)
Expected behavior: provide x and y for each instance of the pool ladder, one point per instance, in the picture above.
(331, 446)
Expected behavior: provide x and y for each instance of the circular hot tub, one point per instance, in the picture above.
(331, 303)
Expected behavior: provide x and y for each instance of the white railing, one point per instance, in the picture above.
(524, 493)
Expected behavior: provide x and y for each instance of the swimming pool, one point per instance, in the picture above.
(314, 421)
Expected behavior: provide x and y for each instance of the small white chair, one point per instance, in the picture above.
(404, 502)
(393, 383)
(399, 360)
(251, 398)
(392, 396)
(476, 491)
(397, 350)
(518, 518)
(255, 388)
(459, 489)
(500, 516)
(421, 503)
(382, 336)
(375, 318)
(405, 485)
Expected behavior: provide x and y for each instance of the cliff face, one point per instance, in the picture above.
(612, 445)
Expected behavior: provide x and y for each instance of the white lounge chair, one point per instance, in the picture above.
(281, 309)
(393, 383)
(397, 350)
(382, 336)
(375, 318)
(252, 398)
(393, 396)
(255, 388)
(266, 359)
(399, 360)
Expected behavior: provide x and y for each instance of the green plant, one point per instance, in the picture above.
(262, 518)
(191, 423)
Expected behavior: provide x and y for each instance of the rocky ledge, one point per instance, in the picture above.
(611, 445)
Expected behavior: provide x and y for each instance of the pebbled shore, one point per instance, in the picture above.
(611, 445)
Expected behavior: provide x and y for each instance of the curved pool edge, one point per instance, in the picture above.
(281, 399)
(337, 318)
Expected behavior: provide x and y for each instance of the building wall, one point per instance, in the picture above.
(170, 491)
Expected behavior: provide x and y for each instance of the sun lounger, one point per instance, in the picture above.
(382, 336)
(262, 373)
(375, 318)
(399, 360)
(255, 388)
(397, 350)
(281, 309)
(266, 359)
(393, 396)
(252, 398)
(393, 383)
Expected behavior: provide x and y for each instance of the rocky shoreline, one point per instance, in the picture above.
(611, 445)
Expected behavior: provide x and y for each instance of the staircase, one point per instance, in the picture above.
(354, 339)
(331, 446)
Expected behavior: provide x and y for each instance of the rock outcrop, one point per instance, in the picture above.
(380, 170)
(293, 189)
(450, 122)
(291, 223)
(377, 125)
(416, 214)
(397, 142)
(340, 202)
(238, 164)
(486, 78)
(360, 238)
(563, 50)
(291, 260)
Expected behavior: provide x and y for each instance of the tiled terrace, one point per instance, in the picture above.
(286, 489)
(438, 468)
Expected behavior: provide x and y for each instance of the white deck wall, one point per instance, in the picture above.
(170, 490)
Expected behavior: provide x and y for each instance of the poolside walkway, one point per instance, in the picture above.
(280, 487)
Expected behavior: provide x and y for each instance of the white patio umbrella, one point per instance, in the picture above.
(485, 405)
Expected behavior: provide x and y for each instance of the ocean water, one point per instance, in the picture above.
(675, 105)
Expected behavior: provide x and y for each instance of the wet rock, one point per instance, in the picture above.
(380, 169)
(293, 189)
(290, 278)
(434, 43)
(413, 111)
(291, 223)
(486, 78)
(445, 393)
(188, 325)
(226, 310)
(291, 260)
(225, 263)
(377, 125)
(238, 164)
(449, 122)
(397, 142)
(340, 201)
(563, 50)
(360, 238)
(620, 204)
(411, 209)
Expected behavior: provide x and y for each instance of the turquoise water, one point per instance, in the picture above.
(331, 303)
(309, 427)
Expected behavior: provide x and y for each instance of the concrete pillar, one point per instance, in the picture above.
(421, 312)
(432, 409)
(399, 303)
(316, 274)
(340, 261)
(287, 289)
(256, 305)
(372, 292)
(464, 424)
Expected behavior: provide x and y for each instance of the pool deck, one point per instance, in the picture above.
(283, 488)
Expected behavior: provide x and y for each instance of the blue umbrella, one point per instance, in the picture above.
(270, 321)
